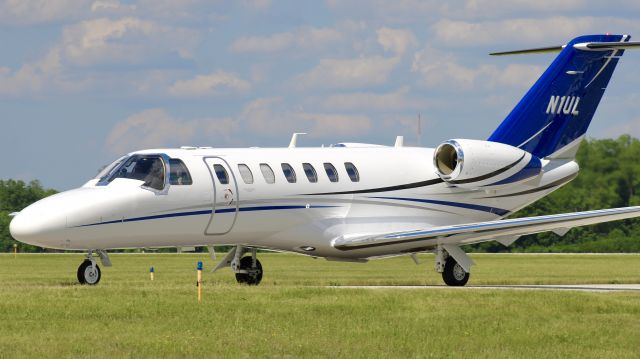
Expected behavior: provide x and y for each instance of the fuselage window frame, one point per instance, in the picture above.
(245, 173)
(331, 169)
(221, 173)
(310, 172)
(352, 171)
(289, 172)
(267, 173)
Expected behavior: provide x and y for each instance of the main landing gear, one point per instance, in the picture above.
(454, 273)
(248, 269)
(89, 272)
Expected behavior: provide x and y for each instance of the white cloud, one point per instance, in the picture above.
(349, 73)
(513, 8)
(323, 124)
(37, 77)
(423, 11)
(171, 11)
(112, 7)
(97, 43)
(155, 128)
(304, 38)
(30, 12)
(546, 31)
(630, 127)
(397, 41)
(215, 83)
(271, 117)
(441, 69)
(125, 41)
(399, 100)
(272, 43)
(268, 116)
(401, 11)
(256, 4)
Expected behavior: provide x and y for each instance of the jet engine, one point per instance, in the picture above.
(484, 164)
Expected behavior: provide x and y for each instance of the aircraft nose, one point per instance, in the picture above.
(36, 227)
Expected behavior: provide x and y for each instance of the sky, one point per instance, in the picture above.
(83, 82)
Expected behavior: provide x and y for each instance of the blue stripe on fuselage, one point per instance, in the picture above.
(498, 211)
(204, 212)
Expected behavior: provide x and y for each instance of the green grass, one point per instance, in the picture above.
(44, 313)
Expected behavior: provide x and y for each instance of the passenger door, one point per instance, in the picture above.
(225, 196)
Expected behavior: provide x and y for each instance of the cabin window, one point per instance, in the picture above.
(289, 173)
(149, 169)
(310, 172)
(267, 172)
(331, 172)
(221, 173)
(178, 173)
(352, 171)
(245, 173)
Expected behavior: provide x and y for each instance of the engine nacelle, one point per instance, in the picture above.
(484, 164)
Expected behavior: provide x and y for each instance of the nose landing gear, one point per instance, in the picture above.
(89, 271)
(248, 269)
(249, 272)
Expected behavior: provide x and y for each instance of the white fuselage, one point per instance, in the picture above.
(397, 190)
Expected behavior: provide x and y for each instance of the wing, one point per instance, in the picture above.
(505, 231)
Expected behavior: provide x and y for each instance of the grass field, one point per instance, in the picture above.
(44, 313)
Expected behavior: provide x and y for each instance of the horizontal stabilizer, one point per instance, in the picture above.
(488, 231)
(607, 46)
(539, 50)
(584, 46)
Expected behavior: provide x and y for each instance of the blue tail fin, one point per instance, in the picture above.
(554, 115)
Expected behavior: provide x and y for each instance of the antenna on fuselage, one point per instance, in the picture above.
(419, 130)
(294, 139)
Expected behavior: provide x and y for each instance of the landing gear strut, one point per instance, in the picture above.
(89, 271)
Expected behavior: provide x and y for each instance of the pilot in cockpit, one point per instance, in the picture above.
(155, 178)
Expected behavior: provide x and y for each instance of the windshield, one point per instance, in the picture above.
(106, 170)
(149, 169)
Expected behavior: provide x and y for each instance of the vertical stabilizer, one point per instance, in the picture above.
(552, 118)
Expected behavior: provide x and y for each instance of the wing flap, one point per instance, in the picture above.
(487, 231)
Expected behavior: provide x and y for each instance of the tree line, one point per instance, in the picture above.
(609, 177)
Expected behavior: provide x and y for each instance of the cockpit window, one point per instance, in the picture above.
(149, 169)
(178, 173)
(108, 169)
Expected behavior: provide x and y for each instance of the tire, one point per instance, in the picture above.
(453, 274)
(86, 275)
(253, 278)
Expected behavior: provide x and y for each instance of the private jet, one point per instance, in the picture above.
(349, 201)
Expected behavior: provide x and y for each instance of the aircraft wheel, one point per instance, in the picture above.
(254, 275)
(453, 274)
(87, 275)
